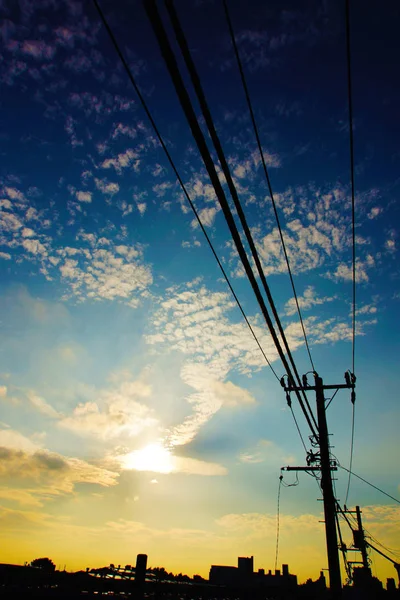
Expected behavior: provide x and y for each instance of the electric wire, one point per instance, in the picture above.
(351, 452)
(371, 484)
(277, 521)
(175, 170)
(298, 429)
(330, 399)
(187, 107)
(267, 177)
(351, 150)
(182, 42)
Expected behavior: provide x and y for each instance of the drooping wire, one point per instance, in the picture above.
(267, 177)
(371, 484)
(287, 485)
(185, 101)
(298, 429)
(175, 170)
(277, 521)
(351, 451)
(351, 149)
(342, 547)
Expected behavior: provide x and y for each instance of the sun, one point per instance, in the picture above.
(154, 457)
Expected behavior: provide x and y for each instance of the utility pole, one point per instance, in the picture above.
(327, 491)
(359, 541)
(325, 466)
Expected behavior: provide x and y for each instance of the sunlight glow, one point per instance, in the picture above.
(153, 457)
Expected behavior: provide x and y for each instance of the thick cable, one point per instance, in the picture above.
(371, 484)
(351, 150)
(187, 107)
(180, 36)
(256, 132)
(174, 168)
(351, 147)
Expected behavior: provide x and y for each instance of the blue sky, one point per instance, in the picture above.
(134, 400)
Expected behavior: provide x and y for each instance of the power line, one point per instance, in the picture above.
(351, 143)
(277, 521)
(187, 107)
(351, 149)
(174, 168)
(256, 132)
(180, 36)
(371, 484)
(298, 429)
(351, 450)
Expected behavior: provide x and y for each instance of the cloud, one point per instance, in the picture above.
(374, 212)
(107, 188)
(117, 411)
(3, 391)
(84, 196)
(50, 474)
(316, 225)
(42, 406)
(129, 158)
(211, 394)
(344, 272)
(196, 322)
(307, 301)
(258, 525)
(207, 217)
(263, 451)
(111, 273)
(38, 49)
(157, 458)
(14, 440)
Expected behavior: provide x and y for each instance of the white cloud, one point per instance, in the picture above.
(374, 212)
(211, 394)
(107, 273)
(207, 217)
(14, 440)
(42, 406)
(141, 206)
(15, 194)
(117, 411)
(157, 458)
(5, 255)
(107, 188)
(129, 158)
(35, 247)
(344, 272)
(367, 309)
(308, 300)
(84, 196)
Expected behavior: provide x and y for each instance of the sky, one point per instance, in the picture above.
(137, 412)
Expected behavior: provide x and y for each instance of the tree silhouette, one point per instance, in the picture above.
(45, 564)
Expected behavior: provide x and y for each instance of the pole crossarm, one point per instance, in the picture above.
(333, 468)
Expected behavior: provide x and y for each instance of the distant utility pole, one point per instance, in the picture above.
(359, 541)
(321, 461)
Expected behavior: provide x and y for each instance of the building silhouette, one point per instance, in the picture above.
(244, 576)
